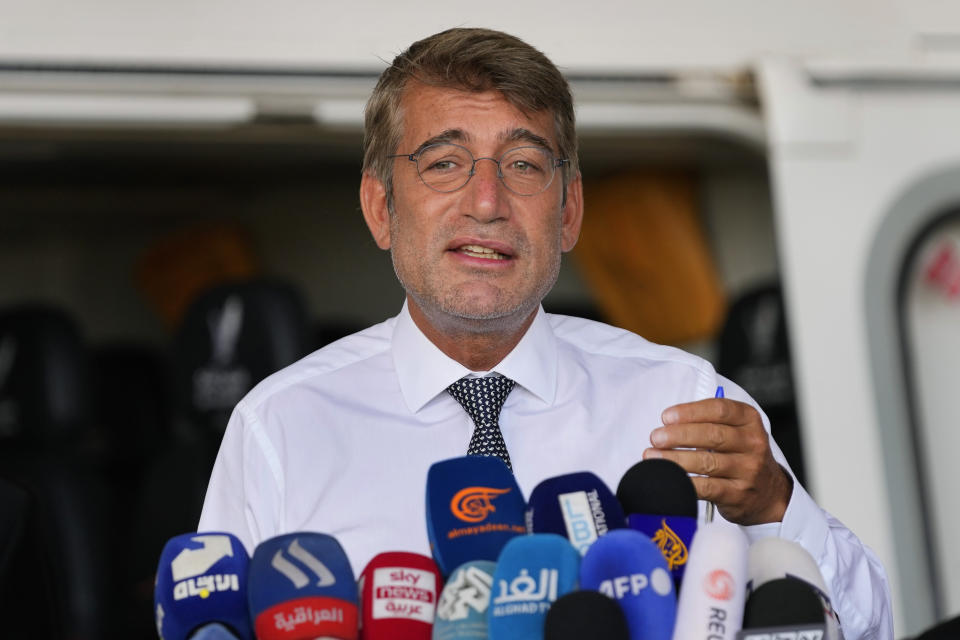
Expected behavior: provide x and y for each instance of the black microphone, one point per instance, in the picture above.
(785, 607)
(585, 615)
(661, 502)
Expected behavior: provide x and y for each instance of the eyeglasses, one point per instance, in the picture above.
(446, 167)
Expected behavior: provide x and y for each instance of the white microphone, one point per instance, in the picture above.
(775, 558)
(714, 586)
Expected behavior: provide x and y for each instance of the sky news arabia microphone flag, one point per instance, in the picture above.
(398, 596)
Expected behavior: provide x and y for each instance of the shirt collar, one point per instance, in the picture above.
(424, 371)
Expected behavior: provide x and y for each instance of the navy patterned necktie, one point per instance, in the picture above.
(482, 399)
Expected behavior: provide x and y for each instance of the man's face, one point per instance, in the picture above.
(481, 252)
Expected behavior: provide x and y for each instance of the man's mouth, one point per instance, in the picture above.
(476, 251)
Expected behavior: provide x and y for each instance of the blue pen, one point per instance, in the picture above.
(708, 513)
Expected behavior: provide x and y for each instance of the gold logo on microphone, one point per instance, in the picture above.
(670, 545)
(474, 503)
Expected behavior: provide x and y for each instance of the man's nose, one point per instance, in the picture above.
(487, 189)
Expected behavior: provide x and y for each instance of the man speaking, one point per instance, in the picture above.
(471, 181)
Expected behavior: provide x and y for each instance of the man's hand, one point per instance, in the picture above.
(732, 452)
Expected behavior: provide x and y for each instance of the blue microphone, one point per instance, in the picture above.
(532, 572)
(474, 506)
(302, 587)
(215, 631)
(628, 567)
(201, 588)
(463, 604)
(578, 506)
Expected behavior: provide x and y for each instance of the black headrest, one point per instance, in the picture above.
(754, 348)
(44, 394)
(232, 337)
(132, 397)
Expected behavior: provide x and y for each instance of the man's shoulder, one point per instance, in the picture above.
(348, 355)
(603, 340)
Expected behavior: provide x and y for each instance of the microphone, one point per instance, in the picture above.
(462, 610)
(301, 587)
(715, 586)
(661, 502)
(215, 631)
(578, 506)
(532, 572)
(201, 588)
(627, 566)
(783, 608)
(585, 615)
(398, 597)
(774, 558)
(474, 506)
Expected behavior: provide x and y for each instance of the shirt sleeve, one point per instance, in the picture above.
(244, 495)
(857, 580)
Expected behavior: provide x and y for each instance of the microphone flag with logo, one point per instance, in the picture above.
(532, 572)
(626, 566)
(661, 502)
(578, 506)
(774, 558)
(474, 506)
(398, 596)
(302, 587)
(462, 611)
(202, 582)
(585, 615)
(714, 586)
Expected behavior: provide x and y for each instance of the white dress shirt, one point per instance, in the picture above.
(341, 441)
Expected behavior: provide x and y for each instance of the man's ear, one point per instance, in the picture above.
(572, 215)
(373, 202)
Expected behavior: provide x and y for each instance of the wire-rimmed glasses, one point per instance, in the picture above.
(446, 167)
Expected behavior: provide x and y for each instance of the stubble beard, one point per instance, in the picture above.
(452, 310)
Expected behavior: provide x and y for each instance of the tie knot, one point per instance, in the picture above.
(482, 398)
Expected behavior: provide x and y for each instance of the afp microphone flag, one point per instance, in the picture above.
(578, 506)
(398, 597)
(626, 566)
(462, 611)
(532, 572)
(474, 507)
(202, 583)
(302, 587)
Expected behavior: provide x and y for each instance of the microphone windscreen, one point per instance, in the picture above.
(714, 588)
(578, 506)
(214, 631)
(302, 587)
(783, 602)
(474, 507)
(657, 487)
(398, 597)
(774, 558)
(532, 572)
(462, 610)
(202, 580)
(626, 566)
(661, 502)
(585, 615)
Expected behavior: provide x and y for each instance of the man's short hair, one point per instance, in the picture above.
(470, 60)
